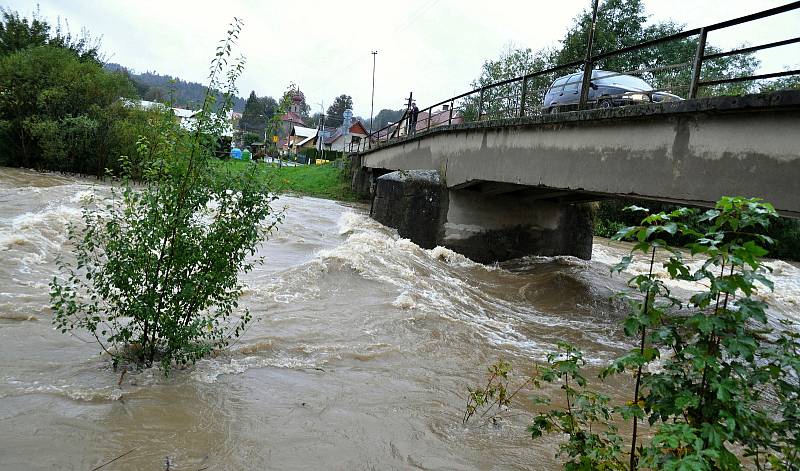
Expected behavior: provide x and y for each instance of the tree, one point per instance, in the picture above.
(249, 138)
(253, 119)
(623, 23)
(156, 94)
(268, 105)
(17, 33)
(58, 112)
(173, 90)
(156, 272)
(620, 23)
(502, 101)
(340, 103)
(783, 83)
(315, 119)
(59, 109)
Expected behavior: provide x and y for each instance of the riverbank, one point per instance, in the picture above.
(320, 181)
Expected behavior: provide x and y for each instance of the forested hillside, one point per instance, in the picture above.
(155, 87)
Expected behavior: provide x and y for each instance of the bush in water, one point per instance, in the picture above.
(156, 270)
(725, 389)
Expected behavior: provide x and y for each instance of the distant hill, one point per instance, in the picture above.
(155, 87)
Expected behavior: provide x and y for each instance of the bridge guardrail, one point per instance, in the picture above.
(523, 96)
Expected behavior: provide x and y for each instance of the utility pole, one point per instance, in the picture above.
(587, 63)
(321, 133)
(372, 104)
(408, 113)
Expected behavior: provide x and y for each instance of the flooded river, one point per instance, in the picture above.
(359, 355)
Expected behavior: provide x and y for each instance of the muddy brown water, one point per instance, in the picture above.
(359, 355)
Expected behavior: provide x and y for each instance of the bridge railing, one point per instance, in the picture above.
(689, 68)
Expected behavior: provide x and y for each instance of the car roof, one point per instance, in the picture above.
(595, 73)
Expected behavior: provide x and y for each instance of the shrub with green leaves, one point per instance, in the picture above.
(494, 397)
(727, 384)
(156, 270)
(593, 442)
(717, 383)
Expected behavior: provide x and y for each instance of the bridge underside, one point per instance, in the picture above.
(485, 227)
(690, 152)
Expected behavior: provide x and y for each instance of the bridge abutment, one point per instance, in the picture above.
(484, 227)
(414, 202)
(362, 177)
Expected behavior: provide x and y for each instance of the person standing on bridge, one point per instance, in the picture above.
(414, 115)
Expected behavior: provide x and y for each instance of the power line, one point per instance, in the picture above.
(372, 103)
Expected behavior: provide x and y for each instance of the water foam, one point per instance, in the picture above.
(404, 301)
(441, 282)
(75, 392)
(783, 300)
(209, 370)
(40, 233)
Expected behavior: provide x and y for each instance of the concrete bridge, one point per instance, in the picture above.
(495, 190)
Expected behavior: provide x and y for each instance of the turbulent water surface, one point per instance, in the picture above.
(359, 355)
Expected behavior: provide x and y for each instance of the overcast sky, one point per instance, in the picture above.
(433, 47)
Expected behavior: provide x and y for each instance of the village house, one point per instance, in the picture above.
(341, 141)
(442, 117)
(301, 138)
(346, 136)
(187, 119)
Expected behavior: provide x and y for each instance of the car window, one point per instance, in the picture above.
(558, 83)
(627, 81)
(573, 83)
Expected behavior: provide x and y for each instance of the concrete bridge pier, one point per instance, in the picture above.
(362, 177)
(482, 226)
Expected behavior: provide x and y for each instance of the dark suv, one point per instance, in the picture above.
(606, 90)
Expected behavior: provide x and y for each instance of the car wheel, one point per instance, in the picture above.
(554, 109)
(605, 104)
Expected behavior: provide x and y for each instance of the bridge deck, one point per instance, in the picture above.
(688, 152)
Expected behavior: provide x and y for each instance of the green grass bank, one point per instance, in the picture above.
(320, 181)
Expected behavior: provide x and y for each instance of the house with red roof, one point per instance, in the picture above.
(435, 118)
(342, 141)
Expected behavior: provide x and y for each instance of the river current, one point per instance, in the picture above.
(359, 355)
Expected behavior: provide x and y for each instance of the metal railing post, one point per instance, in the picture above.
(450, 119)
(522, 97)
(585, 84)
(430, 117)
(588, 64)
(698, 63)
(480, 104)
